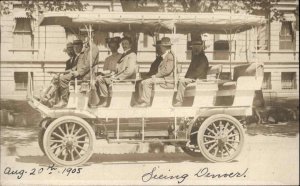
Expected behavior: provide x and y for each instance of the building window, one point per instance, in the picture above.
(221, 48)
(286, 36)
(288, 80)
(267, 81)
(21, 80)
(145, 40)
(23, 34)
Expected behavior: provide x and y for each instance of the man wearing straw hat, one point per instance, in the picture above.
(163, 73)
(197, 70)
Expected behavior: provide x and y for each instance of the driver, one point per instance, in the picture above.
(50, 95)
(81, 70)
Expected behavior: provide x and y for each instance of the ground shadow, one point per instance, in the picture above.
(18, 135)
(40, 160)
(137, 158)
(284, 129)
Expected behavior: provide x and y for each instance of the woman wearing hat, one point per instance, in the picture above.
(197, 70)
(110, 63)
(164, 73)
(126, 66)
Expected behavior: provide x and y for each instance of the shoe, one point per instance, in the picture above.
(104, 104)
(60, 104)
(178, 104)
(143, 105)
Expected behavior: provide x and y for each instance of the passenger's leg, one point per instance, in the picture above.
(64, 90)
(180, 91)
(103, 84)
(146, 90)
(52, 89)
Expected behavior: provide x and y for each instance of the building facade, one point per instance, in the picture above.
(29, 48)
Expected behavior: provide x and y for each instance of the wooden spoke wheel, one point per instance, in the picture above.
(68, 141)
(220, 138)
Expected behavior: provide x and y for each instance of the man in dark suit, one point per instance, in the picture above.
(71, 62)
(81, 70)
(51, 94)
(197, 70)
(162, 72)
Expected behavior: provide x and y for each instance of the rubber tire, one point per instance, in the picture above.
(207, 122)
(40, 139)
(78, 120)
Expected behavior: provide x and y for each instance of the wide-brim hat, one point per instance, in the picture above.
(165, 41)
(77, 42)
(113, 40)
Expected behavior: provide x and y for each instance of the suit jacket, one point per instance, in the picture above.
(166, 71)
(83, 64)
(126, 66)
(154, 67)
(70, 63)
(198, 67)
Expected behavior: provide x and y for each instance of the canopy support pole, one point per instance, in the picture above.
(91, 55)
(175, 61)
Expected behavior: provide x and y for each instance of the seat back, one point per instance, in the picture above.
(122, 91)
(162, 97)
(245, 91)
(214, 71)
(79, 96)
(205, 94)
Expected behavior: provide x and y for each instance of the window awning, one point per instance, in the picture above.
(21, 14)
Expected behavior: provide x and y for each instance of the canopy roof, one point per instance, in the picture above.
(162, 22)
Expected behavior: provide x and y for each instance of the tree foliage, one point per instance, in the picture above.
(43, 5)
(260, 7)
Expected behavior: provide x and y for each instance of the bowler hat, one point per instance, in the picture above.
(197, 42)
(158, 42)
(69, 45)
(77, 42)
(165, 41)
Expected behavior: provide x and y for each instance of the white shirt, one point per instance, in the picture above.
(126, 51)
(165, 54)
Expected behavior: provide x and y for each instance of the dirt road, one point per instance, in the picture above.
(270, 156)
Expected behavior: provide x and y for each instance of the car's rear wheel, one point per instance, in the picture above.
(220, 138)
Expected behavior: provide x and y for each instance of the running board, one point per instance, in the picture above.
(147, 141)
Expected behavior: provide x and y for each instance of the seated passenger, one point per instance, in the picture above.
(125, 70)
(154, 66)
(50, 95)
(81, 71)
(197, 70)
(152, 71)
(110, 63)
(162, 72)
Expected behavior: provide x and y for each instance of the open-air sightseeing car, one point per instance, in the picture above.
(204, 125)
